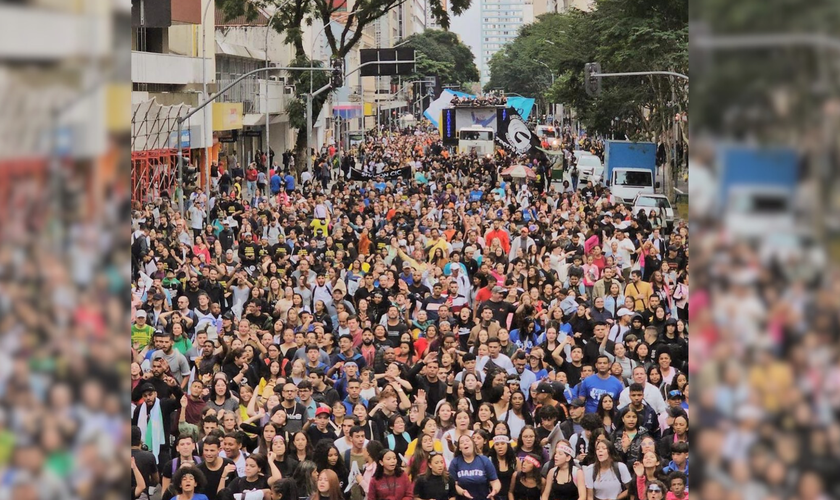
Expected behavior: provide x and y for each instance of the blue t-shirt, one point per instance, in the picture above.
(276, 183)
(196, 496)
(593, 387)
(290, 182)
(474, 477)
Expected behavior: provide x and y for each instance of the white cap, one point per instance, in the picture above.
(624, 312)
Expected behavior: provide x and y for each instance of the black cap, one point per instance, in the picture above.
(578, 402)
(228, 315)
(545, 388)
(158, 296)
(147, 387)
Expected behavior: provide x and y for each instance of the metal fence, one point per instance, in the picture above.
(247, 92)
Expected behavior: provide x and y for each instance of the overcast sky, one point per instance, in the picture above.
(468, 27)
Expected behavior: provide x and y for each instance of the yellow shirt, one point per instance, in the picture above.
(438, 446)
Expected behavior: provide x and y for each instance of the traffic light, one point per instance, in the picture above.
(337, 75)
(592, 82)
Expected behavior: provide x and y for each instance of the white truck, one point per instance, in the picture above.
(480, 140)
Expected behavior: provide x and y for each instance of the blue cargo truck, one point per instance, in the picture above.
(756, 188)
(630, 169)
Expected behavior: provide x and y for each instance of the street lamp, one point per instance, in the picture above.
(550, 72)
(204, 96)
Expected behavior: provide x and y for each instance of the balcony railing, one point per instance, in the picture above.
(173, 69)
(251, 93)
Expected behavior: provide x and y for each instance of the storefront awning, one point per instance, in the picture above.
(253, 120)
(246, 51)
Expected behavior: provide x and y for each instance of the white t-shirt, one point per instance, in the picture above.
(607, 486)
(514, 423)
(501, 361)
(625, 249)
(447, 454)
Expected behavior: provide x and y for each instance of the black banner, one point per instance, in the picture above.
(361, 175)
(514, 134)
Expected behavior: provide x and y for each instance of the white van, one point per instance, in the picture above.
(590, 169)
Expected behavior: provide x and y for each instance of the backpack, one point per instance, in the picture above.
(176, 460)
(392, 441)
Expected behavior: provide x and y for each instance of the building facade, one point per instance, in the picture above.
(500, 23)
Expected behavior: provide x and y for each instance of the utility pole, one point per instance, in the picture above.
(204, 95)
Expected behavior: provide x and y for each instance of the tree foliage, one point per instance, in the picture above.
(774, 94)
(441, 53)
(622, 35)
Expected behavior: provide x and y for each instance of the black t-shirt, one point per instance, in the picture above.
(241, 484)
(294, 416)
(329, 397)
(215, 477)
(433, 488)
(316, 435)
(395, 332)
(462, 330)
(147, 465)
(572, 373)
(499, 309)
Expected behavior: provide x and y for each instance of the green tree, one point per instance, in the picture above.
(526, 65)
(441, 53)
(622, 35)
(295, 14)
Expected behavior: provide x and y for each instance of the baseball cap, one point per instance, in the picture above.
(675, 394)
(498, 289)
(322, 410)
(578, 402)
(147, 387)
(545, 388)
(140, 313)
(623, 312)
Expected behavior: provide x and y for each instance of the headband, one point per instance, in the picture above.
(281, 438)
(566, 449)
(501, 439)
(528, 458)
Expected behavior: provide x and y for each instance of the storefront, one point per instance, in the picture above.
(227, 132)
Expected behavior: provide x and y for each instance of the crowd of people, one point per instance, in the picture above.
(490, 99)
(448, 335)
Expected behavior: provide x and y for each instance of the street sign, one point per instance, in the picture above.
(185, 139)
(376, 55)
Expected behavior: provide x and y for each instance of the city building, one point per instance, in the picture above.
(173, 64)
(500, 23)
(431, 23)
(245, 45)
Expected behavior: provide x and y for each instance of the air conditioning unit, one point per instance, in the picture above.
(289, 90)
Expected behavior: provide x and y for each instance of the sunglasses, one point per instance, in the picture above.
(655, 488)
(435, 454)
